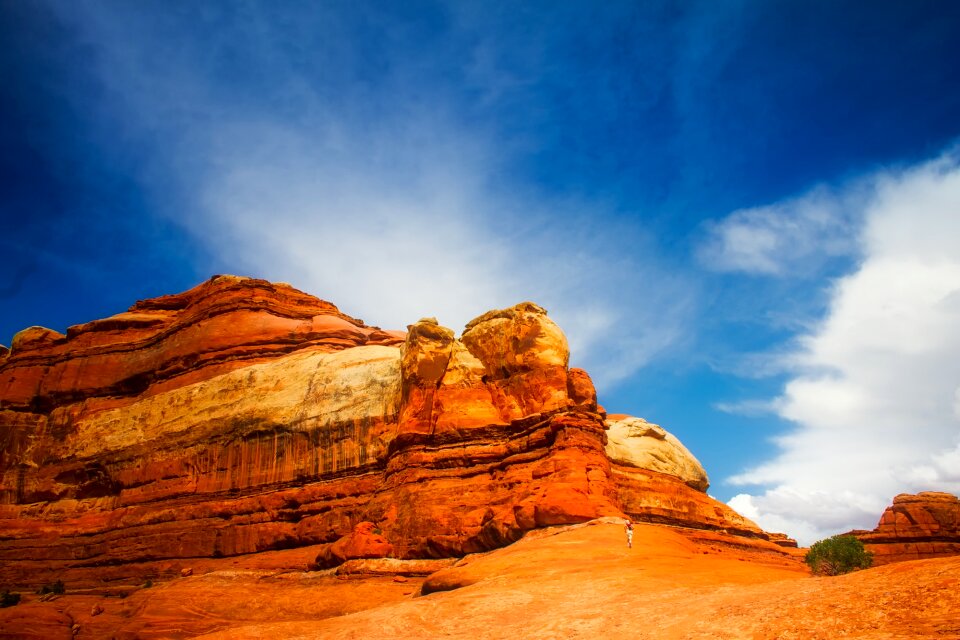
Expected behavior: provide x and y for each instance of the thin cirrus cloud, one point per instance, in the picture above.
(873, 388)
(437, 241)
(379, 196)
(785, 239)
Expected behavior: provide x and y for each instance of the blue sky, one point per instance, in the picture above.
(705, 195)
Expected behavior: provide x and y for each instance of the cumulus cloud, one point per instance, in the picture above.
(785, 238)
(354, 175)
(873, 393)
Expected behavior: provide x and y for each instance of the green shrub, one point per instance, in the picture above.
(836, 555)
(57, 588)
(8, 599)
(148, 584)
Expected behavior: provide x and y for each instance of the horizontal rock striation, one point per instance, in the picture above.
(914, 527)
(242, 416)
(172, 341)
(658, 480)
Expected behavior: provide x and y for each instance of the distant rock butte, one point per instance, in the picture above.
(914, 527)
(244, 416)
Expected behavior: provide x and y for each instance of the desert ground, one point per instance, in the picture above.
(564, 582)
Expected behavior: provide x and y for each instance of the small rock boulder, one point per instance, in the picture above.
(365, 541)
(35, 338)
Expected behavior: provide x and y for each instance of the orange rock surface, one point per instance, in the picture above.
(172, 341)
(365, 541)
(925, 525)
(575, 581)
(244, 417)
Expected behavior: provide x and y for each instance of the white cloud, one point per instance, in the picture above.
(383, 200)
(748, 407)
(809, 515)
(874, 390)
(440, 242)
(785, 238)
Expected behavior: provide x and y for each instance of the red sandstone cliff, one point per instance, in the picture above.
(914, 527)
(243, 416)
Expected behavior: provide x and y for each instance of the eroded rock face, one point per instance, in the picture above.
(364, 542)
(914, 527)
(172, 341)
(524, 355)
(634, 442)
(652, 496)
(243, 416)
(658, 480)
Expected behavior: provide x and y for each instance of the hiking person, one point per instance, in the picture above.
(629, 530)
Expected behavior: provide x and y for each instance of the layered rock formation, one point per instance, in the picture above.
(243, 416)
(914, 527)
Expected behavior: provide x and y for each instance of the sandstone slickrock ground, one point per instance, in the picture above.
(577, 581)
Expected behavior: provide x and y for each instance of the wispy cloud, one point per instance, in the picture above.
(393, 203)
(787, 238)
(875, 388)
(750, 408)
